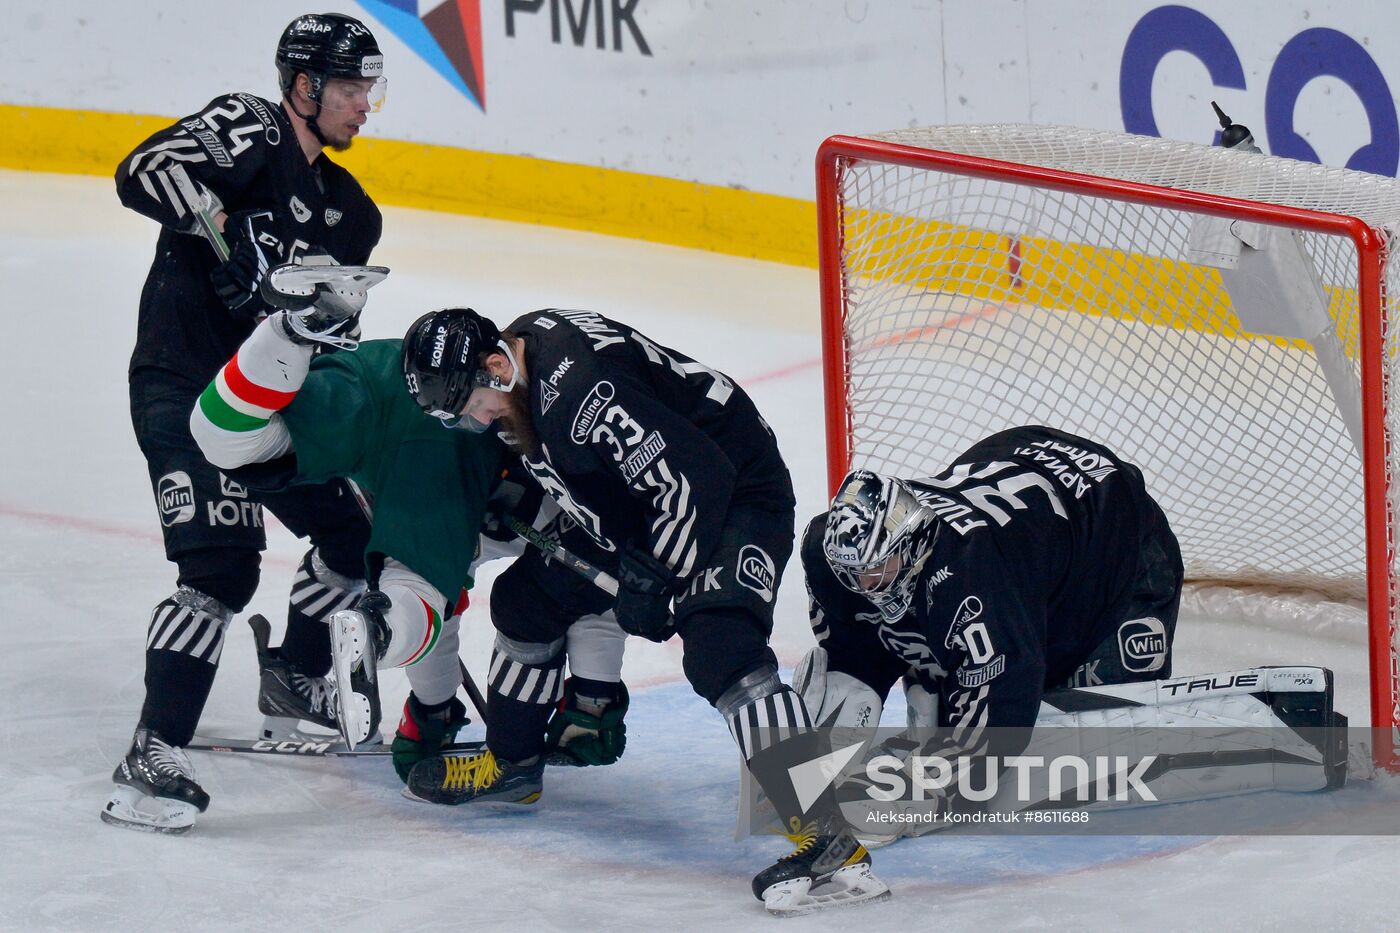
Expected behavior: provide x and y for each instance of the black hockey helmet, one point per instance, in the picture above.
(442, 359)
(327, 45)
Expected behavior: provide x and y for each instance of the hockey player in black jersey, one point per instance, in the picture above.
(1035, 563)
(667, 465)
(262, 172)
(1036, 560)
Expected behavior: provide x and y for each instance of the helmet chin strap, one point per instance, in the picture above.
(315, 114)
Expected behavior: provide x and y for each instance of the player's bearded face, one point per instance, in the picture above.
(345, 106)
(516, 429)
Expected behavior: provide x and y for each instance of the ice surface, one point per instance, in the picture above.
(646, 844)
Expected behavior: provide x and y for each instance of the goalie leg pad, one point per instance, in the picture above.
(833, 698)
(1269, 728)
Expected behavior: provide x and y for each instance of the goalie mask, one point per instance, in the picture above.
(877, 539)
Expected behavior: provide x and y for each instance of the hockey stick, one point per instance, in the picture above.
(333, 748)
(308, 748)
(194, 201)
(601, 579)
(473, 693)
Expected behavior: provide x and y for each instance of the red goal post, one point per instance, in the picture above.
(977, 277)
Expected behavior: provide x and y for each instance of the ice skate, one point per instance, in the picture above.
(286, 697)
(355, 653)
(478, 778)
(823, 871)
(156, 790)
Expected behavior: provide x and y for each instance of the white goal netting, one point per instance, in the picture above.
(972, 300)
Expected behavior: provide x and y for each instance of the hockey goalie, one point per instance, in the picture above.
(1034, 582)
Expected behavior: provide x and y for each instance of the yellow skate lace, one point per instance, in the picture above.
(477, 770)
(802, 836)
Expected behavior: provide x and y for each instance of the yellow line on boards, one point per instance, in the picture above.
(461, 181)
(932, 255)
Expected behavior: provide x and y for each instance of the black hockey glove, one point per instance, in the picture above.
(644, 596)
(253, 248)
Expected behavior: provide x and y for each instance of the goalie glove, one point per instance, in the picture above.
(423, 731)
(579, 737)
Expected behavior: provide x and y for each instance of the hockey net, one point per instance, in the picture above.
(979, 277)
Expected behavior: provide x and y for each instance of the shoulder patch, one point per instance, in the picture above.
(643, 456)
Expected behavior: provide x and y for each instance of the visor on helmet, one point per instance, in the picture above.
(353, 95)
(487, 400)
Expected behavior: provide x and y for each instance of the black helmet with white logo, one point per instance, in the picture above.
(327, 45)
(441, 359)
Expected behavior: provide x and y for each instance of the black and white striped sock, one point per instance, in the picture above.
(768, 720)
(519, 700)
(317, 591)
(527, 683)
(190, 623)
(183, 644)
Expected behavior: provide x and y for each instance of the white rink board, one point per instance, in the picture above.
(740, 94)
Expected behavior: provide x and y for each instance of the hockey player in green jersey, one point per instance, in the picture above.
(277, 417)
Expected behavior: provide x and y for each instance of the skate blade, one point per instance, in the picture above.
(878, 842)
(487, 803)
(349, 644)
(854, 884)
(289, 729)
(131, 809)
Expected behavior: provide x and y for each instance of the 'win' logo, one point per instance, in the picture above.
(444, 33)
